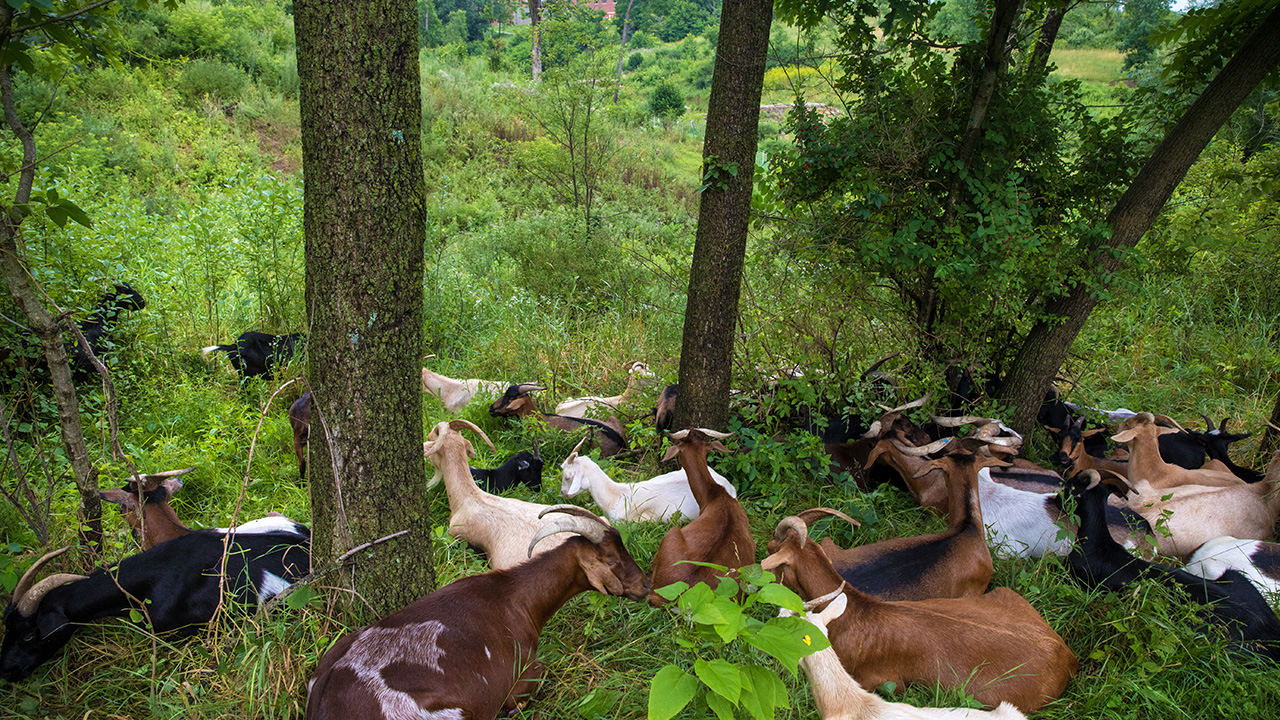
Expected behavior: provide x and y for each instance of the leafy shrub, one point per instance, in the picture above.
(666, 102)
(635, 61)
(197, 28)
(1080, 38)
(216, 80)
(640, 40)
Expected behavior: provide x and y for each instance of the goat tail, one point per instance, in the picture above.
(215, 348)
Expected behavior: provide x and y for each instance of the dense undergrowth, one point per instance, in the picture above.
(191, 175)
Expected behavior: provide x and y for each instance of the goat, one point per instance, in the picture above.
(839, 697)
(997, 644)
(656, 499)
(177, 585)
(255, 354)
(468, 649)
(580, 406)
(500, 527)
(666, 408)
(1146, 462)
(720, 535)
(1097, 561)
(155, 520)
(518, 402)
(1257, 560)
(523, 467)
(97, 329)
(300, 421)
(144, 502)
(1217, 442)
(955, 563)
(455, 394)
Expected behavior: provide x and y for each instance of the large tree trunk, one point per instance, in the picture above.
(1046, 346)
(45, 327)
(728, 153)
(1049, 33)
(363, 217)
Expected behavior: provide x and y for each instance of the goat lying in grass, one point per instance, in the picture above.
(1257, 560)
(518, 402)
(592, 404)
(656, 499)
(455, 394)
(468, 649)
(840, 697)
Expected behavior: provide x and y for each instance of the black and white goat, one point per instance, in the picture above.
(257, 353)
(177, 585)
(1098, 561)
(522, 468)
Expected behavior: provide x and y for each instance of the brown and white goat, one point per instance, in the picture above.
(1141, 434)
(468, 649)
(955, 563)
(839, 697)
(144, 503)
(995, 646)
(518, 401)
(719, 535)
(501, 527)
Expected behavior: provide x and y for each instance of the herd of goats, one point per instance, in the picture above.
(908, 611)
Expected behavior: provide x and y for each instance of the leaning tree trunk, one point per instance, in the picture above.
(45, 327)
(363, 217)
(1046, 346)
(728, 162)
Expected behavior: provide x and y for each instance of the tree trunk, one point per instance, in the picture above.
(535, 26)
(18, 279)
(1046, 346)
(1049, 33)
(728, 153)
(363, 218)
(622, 53)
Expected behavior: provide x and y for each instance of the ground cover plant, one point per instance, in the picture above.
(186, 159)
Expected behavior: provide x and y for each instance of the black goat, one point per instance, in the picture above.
(176, 584)
(523, 467)
(518, 402)
(300, 421)
(1099, 561)
(1217, 442)
(256, 353)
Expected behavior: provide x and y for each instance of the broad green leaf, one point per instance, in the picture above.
(16, 4)
(721, 676)
(731, 618)
(670, 592)
(760, 687)
(670, 690)
(780, 595)
(135, 616)
(789, 639)
(299, 597)
(57, 215)
(74, 212)
(695, 597)
(721, 707)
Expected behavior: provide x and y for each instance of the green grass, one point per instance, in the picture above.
(1088, 64)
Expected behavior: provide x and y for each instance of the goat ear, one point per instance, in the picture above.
(1125, 436)
(670, 453)
(50, 621)
(718, 446)
(172, 485)
(1091, 432)
(1162, 430)
(126, 500)
(875, 454)
(601, 577)
(834, 609)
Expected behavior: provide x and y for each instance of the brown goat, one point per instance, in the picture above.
(518, 401)
(468, 649)
(300, 421)
(995, 646)
(144, 503)
(719, 535)
(955, 563)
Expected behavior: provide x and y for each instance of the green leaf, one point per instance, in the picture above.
(670, 690)
(16, 4)
(57, 215)
(135, 616)
(694, 598)
(780, 595)
(789, 639)
(300, 596)
(732, 619)
(672, 591)
(721, 707)
(721, 676)
(760, 688)
(75, 213)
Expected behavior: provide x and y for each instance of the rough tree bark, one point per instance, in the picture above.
(728, 153)
(1042, 353)
(44, 325)
(535, 27)
(363, 217)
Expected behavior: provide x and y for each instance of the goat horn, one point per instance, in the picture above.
(963, 420)
(876, 365)
(526, 388)
(583, 523)
(459, 424)
(1208, 422)
(678, 435)
(815, 513)
(792, 522)
(714, 433)
(24, 584)
(435, 438)
(919, 402)
(824, 599)
(1223, 427)
(885, 408)
(923, 450)
(30, 601)
(580, 442)
(536, 454)
(1171, 421)
(873, 431)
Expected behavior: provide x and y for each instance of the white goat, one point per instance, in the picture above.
(1257, 560)
(580, 406)
(455, 394)
(840, 697)
(656, 499)
(500, 527)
